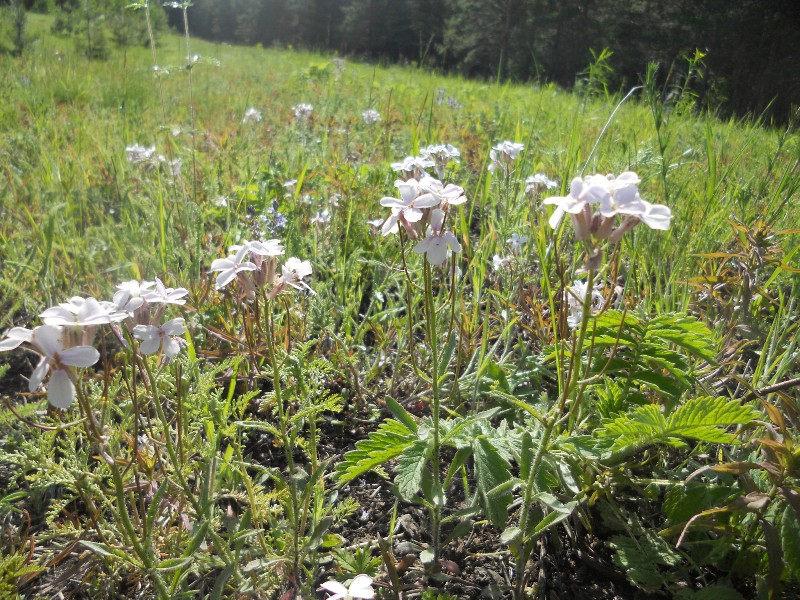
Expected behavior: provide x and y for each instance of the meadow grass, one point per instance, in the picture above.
(78, 217)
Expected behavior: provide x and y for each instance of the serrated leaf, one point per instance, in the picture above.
(492, 471)
(701, 418)
(388, 442)
(411, 468)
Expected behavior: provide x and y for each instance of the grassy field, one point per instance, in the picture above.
(225, 471)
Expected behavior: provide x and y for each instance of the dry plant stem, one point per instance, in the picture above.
(551, 420)
(436, 501)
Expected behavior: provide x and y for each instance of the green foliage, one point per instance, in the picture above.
(703, 419)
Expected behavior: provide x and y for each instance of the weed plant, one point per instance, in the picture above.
(514, 339)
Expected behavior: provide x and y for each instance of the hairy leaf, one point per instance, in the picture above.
(492, 470)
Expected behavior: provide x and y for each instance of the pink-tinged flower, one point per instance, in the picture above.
(81, 312)
(294, 271)
(435, 246)
(408, 207)
(441, 155)
(655, 216)
(360, 587)
(576, 297)
(444, 194)
(47, 340)
(504, 154)
(623, 196)
(267, 248)
(166, 295)
(538, 182)
(593, 190)
(153, 337)
(14, 338)
(413, 167)
(130, 295)
(230, 267)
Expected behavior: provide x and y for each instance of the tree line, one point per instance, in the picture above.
(749, 47)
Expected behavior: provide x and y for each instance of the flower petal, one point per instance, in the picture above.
(60, 390)
(79, 356)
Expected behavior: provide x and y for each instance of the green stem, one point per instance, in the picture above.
(551, 420)
(286, 440)
(437, 500)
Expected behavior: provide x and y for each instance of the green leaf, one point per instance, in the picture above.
(411, 468)
(703, 419)
(642, 557)
(491, 471)
(790, 542)
(389, 441)
(700, 419)
(401, 414)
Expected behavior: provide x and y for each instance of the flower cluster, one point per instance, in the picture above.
(65, 340)
(147, 158)
(253, 115)
(503, 155)
(371, 116)
(611, 196)
(302, 111)
(441, 155)
(535, 184)
(575, 295)
(254, 266)
(421, 210)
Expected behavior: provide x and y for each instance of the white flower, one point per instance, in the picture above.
(408, 207)
(500, 263)
(130, 295)
(48, 341)
(81, 312)
(655, 216)
(302, 111)
(153, 337)
(413, 166)
(504, 154)
(360, 587)
(435, 247)
(321, 218)
(516, 240)
(441, 155)
(293, 271)
(576, 296)
(138, 154)
(233, 265)
(165, 295)
(371, 116)
(252, 115)
(14, 338)
(444, 194)
(594, 189)
(267, 248)
(537, 182)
